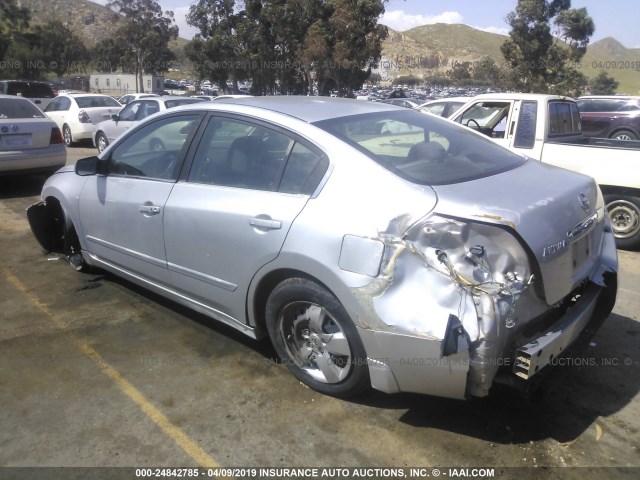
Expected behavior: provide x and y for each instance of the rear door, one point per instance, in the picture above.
(57, 110)
(246, 185)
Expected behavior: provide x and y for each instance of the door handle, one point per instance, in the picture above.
(265, 223)
(149, 209)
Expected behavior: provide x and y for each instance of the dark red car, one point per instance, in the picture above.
(610, 117)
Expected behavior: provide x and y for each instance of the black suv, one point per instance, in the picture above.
(39, 93)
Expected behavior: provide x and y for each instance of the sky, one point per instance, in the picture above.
(613, 18)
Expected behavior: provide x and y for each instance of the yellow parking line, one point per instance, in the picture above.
(189, 446)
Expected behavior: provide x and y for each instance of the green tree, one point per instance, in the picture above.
(460, 73)
(288, 45)
(358, 41)
(13, 21)
(60, 49)
(540, 62)
(603, 84)
(109, 55)
(146, 32)
(215, 52)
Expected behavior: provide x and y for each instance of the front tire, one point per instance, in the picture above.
(313, 334)
(101, 142)
(624, 215)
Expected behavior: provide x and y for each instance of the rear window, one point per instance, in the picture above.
(30, 89)
(90, 102)
(41, 90)
(564, 119)
(10, 108)
(423, 149)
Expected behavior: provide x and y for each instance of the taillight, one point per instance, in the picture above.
(83, 117)
(56, 136)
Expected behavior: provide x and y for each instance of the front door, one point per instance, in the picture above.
(122, 210)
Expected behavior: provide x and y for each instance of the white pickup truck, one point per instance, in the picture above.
(547, 128)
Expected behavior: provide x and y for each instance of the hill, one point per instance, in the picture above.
(90, 21)
(431, 49)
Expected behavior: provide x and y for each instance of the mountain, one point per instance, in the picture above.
(90, 21)
(423, 50)
(620, 62)
(432, 49)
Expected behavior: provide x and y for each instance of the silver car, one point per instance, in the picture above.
(134, 112)
(374, 245)
(29, 141)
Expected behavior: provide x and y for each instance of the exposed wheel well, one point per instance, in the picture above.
(616, 190)
(65, 232)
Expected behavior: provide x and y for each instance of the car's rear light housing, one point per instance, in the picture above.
(83, 117)
(56, 136)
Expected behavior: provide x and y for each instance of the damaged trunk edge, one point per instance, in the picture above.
(459, 299)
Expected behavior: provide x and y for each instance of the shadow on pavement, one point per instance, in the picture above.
(21, 186)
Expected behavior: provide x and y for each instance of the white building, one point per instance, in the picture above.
(120, 84)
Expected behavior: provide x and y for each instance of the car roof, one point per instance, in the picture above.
(519, 96)
(14, 97)
(78, 95)
(162, 97)
(608, 97)
(447, 99)
(310, 109)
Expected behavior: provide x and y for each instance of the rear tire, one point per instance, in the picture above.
(66, 135)
(624, 215)
(624, 135)
(313, 334)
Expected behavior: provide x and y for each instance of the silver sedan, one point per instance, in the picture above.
(374, 245)
(29, 141)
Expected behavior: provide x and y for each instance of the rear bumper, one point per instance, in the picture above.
(33, 161)
(542, 351)
(424, 364)
(82, 131)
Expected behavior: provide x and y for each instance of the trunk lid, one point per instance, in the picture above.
(25, 134)
(100, 114)
(552, 210)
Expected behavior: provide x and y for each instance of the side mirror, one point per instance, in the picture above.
(87, 166)
(115, 117)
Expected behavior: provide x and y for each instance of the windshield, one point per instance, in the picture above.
(89, 102)
(423, 149)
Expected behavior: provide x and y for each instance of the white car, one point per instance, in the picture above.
(130, 97)
(107, 131)
(78, 114)
(29, 141)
